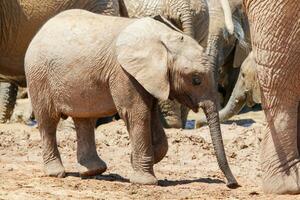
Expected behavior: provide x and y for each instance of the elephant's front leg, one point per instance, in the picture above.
(280, 152)
(138, 122)
(159, 138)
(89, 163)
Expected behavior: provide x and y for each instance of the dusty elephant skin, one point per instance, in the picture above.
(246, 91)
(227, 51)
(192, 17)
(220, 44)
(19, 22)
(89, 63)
(275, 33)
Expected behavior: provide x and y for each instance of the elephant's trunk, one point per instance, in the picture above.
(215, 51)
(211, 112)
(234, 105)
(185, 16)
(187, 25)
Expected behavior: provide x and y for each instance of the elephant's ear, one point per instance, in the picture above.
(240, 55)
(167, 22)
(141, 53)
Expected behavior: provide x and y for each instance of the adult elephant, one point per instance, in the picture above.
(227, 51)
(19, 21)
(275, 35)
(220, 44)
(190, 16)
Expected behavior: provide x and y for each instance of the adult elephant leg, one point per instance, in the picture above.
(8, 96)
(280, 153)
(170, 114)
(89, 163)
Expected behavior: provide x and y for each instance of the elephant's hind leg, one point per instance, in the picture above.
(89, 163)
(51, 157)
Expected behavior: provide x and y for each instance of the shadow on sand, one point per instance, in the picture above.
(166, 183)
(162, 183)
(240, 122)
(105, 177)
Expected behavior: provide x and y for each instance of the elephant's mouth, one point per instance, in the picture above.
(192, 104)
(249, 99)
(189, 102)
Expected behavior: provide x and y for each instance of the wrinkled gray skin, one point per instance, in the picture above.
(227, 50)
(190, 16)
(246, 91)
(19, 21)
(74, 67)
(275, 33)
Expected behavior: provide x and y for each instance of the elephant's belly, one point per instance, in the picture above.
(88, 104)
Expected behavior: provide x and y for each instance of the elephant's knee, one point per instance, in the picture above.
(160, 150)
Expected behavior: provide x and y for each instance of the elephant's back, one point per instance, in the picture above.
(72, 38)
(79, 25)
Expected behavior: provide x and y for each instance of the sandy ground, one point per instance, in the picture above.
(189, 171)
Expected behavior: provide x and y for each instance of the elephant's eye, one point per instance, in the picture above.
(181, 38)
(196, 80)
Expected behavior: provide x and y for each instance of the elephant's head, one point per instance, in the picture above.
(170, 64)
(246, 91)
(250, 85)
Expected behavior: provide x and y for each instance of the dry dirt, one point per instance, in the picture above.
(189, 171)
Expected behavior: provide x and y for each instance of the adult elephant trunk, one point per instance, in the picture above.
(211, 112)
(220, 20)
(185, 16)
(215, 49)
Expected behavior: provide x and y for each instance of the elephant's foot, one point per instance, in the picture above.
(287, 181)
(143, 178)
(91, 166)
(55, 168)
(142, 170)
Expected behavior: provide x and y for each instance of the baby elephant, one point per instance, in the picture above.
(87, 66)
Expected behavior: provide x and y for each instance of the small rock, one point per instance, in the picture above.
(253, 193)
(233, 155)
